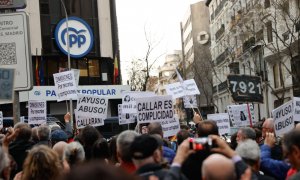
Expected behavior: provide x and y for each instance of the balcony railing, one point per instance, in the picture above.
(247, 44)
(222, 86)
(220, 32)
(221, 57)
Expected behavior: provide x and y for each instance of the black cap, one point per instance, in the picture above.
(144, 146)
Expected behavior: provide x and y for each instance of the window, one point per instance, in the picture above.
(267, 4)
(94, 70)
(277, 74)
(269, 31)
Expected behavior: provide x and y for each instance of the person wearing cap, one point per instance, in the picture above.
(58, 135)
(146, 156)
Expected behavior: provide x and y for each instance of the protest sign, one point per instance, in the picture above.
(283, 118)
(1, 120)
(6, 84)
(222, 120)
(296, 109)
(128, 100)
(154, 109)
(239, 115)
(190, 101)
(37, 112)
(65, 85)
(82, 122)
(177, 90)
(91, 106)
(125, 118)
(170, 127)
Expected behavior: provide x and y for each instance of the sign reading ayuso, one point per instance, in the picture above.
(80, 37)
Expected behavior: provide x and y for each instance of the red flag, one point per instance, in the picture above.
(37, 74)
(116, 70)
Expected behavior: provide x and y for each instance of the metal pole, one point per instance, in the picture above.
(69, 59)
(16, 107)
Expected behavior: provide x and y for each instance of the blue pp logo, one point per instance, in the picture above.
(80, 37)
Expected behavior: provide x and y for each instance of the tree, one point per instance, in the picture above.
(141, 67)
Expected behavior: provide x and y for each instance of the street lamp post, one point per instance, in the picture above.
(69, 59)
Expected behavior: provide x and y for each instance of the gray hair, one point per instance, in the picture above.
(124, 141)
(249, 150)
(4, 160)
(44, 133)
(74, 153)
(248, 133)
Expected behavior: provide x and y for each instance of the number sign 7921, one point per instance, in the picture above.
(244, 87)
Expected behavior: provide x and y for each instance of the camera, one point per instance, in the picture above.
(204, 143)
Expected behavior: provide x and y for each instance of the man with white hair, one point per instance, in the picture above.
(250, 153)
(217, 166)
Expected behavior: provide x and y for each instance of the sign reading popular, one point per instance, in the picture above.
(65, 85)
(154, 109)
(283, 118)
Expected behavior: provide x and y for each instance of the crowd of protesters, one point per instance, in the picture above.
(42, 153)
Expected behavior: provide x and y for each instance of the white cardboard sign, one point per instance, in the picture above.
(82, 122)
(190, 101)
(222, 120)
(177, 90)
(296, 109)
(154, 109)
(125, 118)
(1, 120)
(128, 100)
(37, 112)
(65, 85)
(283, 118)
(92, 106)
(170, 127)
(239, 115)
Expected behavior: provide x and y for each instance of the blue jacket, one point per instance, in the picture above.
(168, 154)
(275, 168)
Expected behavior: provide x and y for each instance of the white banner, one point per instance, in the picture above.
(190, 101)
(239, 115)
(177, 90)
(37, 112)
(222, 120)
(296, 109)
(128, 100)
(1, 120)
(82, 122)
(65, 85)
(125, 118)
(154, 109)
(283, 118)
(92, 106)
(170, 127)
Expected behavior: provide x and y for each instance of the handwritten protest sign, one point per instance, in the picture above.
(92, 106)
(222, 120)
(190, 101)
(283, 118)
(65, 85)
(37, 112)
(296, 109)
(178, 89)
(154, 109)
(239, 115)
(170, 127)
(82, 122)
(128, 100)
(1, 120)
(125, 118)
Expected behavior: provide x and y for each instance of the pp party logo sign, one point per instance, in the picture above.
(80, 35)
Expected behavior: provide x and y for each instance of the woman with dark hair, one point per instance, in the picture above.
(100, 150)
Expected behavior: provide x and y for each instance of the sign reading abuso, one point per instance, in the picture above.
(245, 88)
(12, 4)
(80, 37)
(15, 48)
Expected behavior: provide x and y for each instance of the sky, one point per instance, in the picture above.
(161, 21)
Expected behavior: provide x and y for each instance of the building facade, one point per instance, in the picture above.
(257, 38)
(96, 66)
